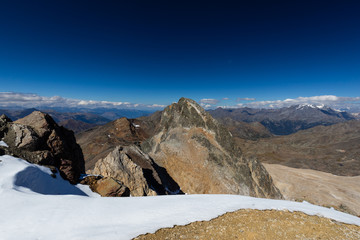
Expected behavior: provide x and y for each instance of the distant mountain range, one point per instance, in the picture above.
(78, 119)
(247, 123)
(284, 121)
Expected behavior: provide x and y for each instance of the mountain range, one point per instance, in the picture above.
(77, 119)
(287, 120)
(194, 149)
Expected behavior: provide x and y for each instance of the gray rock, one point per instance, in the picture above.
(137, 171)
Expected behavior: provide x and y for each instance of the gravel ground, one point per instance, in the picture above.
(256, 224)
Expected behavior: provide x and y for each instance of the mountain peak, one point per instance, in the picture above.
(308, 106)
(201, 155)
(186, 113)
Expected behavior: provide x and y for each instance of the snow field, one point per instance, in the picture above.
(33, 205)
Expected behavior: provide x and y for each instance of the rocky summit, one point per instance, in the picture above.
(38, 139)
(201, 156)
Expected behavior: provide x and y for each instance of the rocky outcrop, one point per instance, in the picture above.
(38, 139)
(98, 142)
(137, 171)
(200, 154)
(106, 186)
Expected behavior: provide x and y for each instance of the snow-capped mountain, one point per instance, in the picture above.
(286, 120)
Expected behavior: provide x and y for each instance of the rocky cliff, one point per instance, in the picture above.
(200, 154)
(38, 139)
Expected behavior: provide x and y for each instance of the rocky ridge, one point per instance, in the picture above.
(201, 156)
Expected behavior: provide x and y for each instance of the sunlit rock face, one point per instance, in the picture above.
(38, 139)
(137, 171)
(200, 154)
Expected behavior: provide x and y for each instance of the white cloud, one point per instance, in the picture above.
(30, 100)
(207, 106)
(245, 99)
(157, 106)
(210, 101)
(225, 98)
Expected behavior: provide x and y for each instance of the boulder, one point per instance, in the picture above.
(137, 171)
(38, 139)
(106, 186)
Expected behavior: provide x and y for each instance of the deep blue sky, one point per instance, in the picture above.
(158, 51)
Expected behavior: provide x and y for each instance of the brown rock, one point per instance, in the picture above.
(38, 139)
(109, 187)
(201, 156)
(106, 187)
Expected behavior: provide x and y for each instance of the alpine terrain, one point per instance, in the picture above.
(287, 120)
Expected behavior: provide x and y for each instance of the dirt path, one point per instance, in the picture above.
(255, 224)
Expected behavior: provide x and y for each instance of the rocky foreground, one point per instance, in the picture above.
(256, 224)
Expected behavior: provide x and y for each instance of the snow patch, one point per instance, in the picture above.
(33, 214)
(3, 144)
(303, 106)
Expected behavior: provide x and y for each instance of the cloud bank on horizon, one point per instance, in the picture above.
(30, 100)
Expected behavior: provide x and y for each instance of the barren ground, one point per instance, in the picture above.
(256, 224)
(320, 188)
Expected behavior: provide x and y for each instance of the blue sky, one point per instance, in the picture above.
(156, 52)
